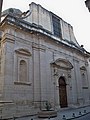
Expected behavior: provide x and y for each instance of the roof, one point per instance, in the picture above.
(32, 28)
(13, 11)
(27, 26)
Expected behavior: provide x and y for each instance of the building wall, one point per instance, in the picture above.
(32, 64)
(43, 18)
(41, 83)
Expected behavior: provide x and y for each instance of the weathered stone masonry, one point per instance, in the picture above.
(40, 60)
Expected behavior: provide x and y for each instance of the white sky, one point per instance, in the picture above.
(72, 11)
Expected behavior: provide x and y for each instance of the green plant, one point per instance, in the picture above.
(48, 106)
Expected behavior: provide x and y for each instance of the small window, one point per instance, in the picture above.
(56, 26)
(23, 71)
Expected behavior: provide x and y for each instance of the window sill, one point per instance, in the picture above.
(85, 87)
(22, 83)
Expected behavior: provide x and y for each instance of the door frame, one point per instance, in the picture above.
(62, 92)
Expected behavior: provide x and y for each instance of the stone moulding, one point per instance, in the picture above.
(22, 83)
(23, 51)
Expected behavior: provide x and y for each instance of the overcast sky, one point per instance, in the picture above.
(72, 11)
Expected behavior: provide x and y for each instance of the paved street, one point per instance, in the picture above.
(86, 117)
(66, 114)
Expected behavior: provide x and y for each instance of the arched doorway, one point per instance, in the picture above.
(62, 92)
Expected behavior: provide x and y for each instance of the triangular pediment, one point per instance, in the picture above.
(23, 51)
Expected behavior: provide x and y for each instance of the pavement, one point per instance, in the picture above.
(64, 114)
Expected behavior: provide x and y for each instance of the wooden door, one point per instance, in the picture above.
(62, 92)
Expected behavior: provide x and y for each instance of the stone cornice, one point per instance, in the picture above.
(33, 28)
(8, 37)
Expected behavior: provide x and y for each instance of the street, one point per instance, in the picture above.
(86, 117)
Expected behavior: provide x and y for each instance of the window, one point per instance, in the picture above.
(56, 26)
(23, 71)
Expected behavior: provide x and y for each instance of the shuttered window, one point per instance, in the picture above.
(56, 26)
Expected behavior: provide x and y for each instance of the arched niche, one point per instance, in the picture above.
(23, 71)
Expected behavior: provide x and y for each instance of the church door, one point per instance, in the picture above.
(62, 92)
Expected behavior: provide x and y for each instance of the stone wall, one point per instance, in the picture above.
(32, 63)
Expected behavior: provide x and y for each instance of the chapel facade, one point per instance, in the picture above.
(41, 61)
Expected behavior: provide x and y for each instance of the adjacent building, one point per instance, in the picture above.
(87, 2)
(40, 61)
(1, 1)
